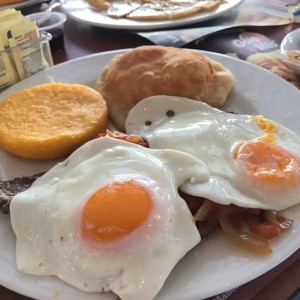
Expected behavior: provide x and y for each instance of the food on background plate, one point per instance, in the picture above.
(157, 70)
(114, 208)
(293, 56)
(51, 120)
(99, 4)
(274, 62)
(149, 10)
(7, 2)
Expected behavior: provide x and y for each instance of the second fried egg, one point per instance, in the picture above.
(253, 162)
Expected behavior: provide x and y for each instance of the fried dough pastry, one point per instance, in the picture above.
(51, 120)
(157, 70)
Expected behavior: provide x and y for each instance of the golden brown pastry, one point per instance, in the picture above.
(157, 70)
(51, 120)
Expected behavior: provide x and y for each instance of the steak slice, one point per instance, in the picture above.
(10, 188)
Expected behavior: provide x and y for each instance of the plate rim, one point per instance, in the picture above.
(284, 43)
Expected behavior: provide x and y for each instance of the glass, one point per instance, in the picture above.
(24, 60)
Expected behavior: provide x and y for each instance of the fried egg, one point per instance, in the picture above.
(253, 162)
(109, 218)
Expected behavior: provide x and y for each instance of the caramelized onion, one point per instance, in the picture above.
(234, 223)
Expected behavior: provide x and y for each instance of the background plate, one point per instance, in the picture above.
(291, 42)
(79, 10)
(215, 265)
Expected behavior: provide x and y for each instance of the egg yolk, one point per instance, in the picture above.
(115, 210)
(266, 126)
(268, 164)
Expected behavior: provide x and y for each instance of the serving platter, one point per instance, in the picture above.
(214, 265)
(80, 10)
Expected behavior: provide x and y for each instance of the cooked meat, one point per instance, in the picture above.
(9, 188)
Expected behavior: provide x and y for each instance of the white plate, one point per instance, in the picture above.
(215, 265)
(79, 10)
(289, 43)
(20, 4)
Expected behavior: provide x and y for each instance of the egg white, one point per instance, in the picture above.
(211, 135)
(45, 219)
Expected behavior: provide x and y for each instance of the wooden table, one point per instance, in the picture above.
(80, 40)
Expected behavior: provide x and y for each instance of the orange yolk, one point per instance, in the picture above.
(268, 164)
(114, 211)
(266, 126)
